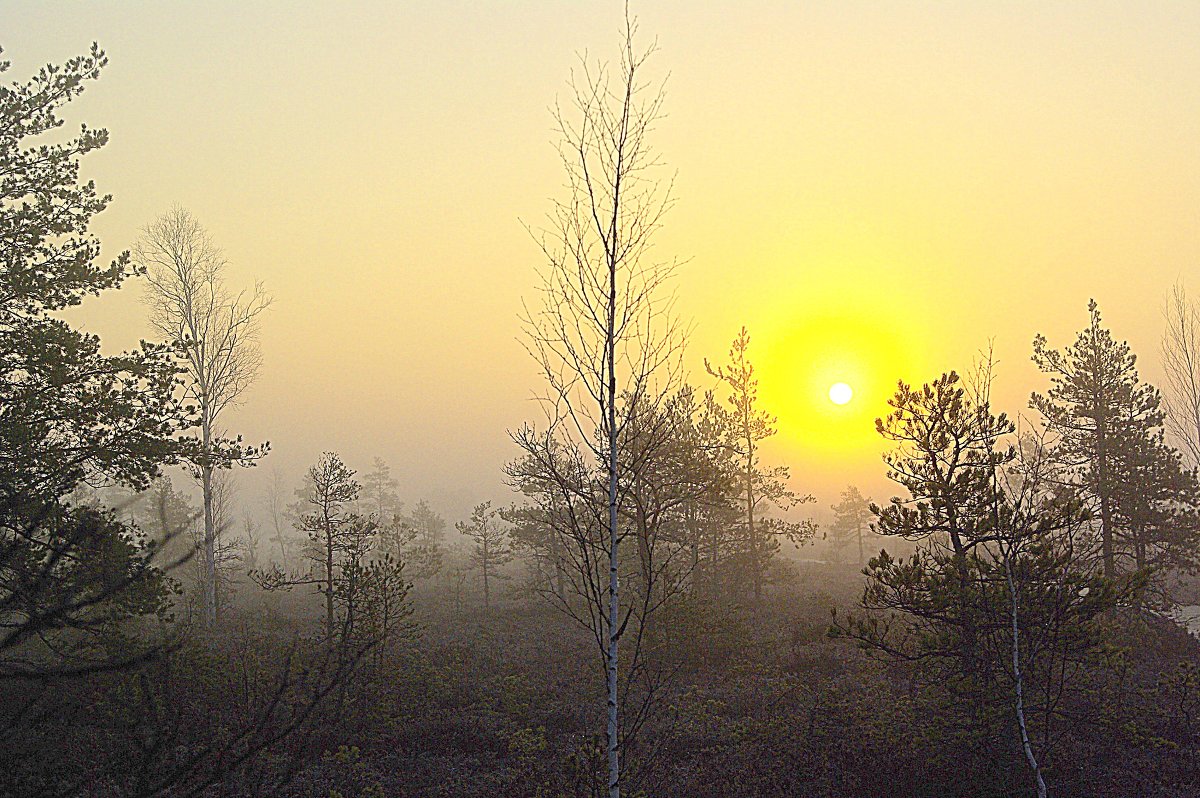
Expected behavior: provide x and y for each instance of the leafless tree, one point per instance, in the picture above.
(604, 334)
(1019, 489)
(1181, 365)
(217, 330)
(276, 504)
(251, 536)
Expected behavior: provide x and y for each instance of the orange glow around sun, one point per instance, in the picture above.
(828, 377)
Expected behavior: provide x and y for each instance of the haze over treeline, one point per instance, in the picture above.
(844, 177)
(451, 401)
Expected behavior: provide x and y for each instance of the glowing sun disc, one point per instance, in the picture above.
(840, 393)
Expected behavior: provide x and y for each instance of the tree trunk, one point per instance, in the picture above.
(752, 536)
(644, 555)
(282, 546)
(1106, 519)
(560, 579)
(1106, 538)
(210, 531)
(328, 584)
(694, 536)
(713, 558)
(614, 607)
(487, 596)
(1026, 745)
(646, 561)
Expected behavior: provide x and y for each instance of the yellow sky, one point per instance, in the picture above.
(874, 189)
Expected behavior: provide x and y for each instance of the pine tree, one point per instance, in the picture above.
(1112, 451)
(379, 496)
(491, 550)
(416, 538)
(68, 573)
(338, 542)
(852, 521)
(995, 600)
(746, 425)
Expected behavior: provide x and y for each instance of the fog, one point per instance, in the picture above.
(945, 176)
(528, 385)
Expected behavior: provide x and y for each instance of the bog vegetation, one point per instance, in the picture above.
(634, 620)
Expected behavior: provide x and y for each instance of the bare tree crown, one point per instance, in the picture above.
(190, 303)
(600, 282)
(1181, 365)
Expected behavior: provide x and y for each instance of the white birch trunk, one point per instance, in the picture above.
(614, 614)
(1020, 683)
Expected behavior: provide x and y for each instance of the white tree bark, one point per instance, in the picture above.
(217, 332)
(1019, 690)
(606, 335)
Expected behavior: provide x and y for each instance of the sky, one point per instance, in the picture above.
(876, 190)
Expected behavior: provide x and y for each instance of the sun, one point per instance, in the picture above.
(840, 393)
(827, 374)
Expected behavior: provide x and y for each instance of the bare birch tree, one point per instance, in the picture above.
(216, 330)
(1181, 365)
(604, 335)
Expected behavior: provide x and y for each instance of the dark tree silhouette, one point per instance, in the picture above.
(996, 602)
(69, 416)
(1112, 450)
(339, 547)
